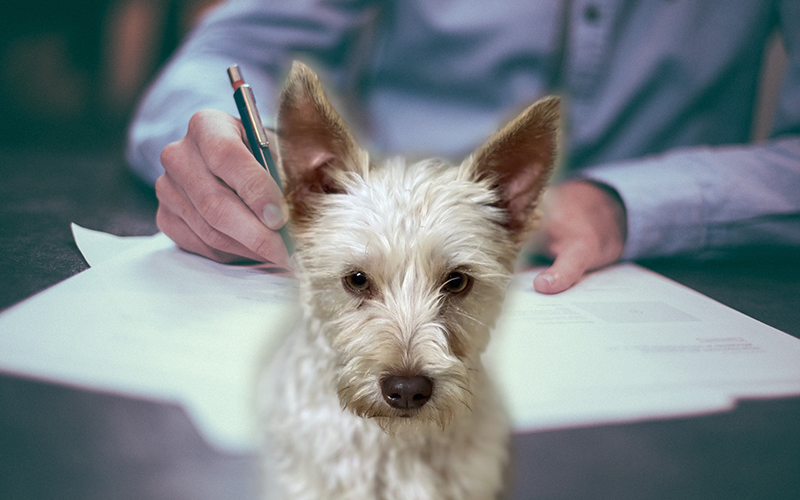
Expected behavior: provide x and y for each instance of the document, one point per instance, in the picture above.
(625, 344)
(151, 321)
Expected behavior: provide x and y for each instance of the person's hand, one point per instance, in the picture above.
(584, 228)
(215, 199)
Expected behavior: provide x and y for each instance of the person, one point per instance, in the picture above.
(658, 104)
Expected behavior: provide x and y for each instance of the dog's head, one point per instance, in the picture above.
(404, 267)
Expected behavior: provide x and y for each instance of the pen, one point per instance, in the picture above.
(256, 136)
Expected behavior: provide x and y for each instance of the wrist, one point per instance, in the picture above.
(613, 205)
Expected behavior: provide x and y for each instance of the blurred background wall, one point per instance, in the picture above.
(71, 71)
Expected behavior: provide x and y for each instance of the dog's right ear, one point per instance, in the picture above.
(314, 144)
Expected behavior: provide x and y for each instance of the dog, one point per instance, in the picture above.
(380, 392)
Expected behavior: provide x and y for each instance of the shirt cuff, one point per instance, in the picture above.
(663, 209)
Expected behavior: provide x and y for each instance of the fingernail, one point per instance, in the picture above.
(274, 216)
(548, 278)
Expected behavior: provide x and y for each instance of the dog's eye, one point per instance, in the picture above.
(358, 282)
(457, 282)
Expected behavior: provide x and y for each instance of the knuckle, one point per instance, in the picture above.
(207, 125)
(252, 188)
(185, 211)
(169, 199)
(264, 244)
(220, 154)
(219, 142)
(200, 119)
(170, 154)
(160, 187)
(212, 207)
(167, 223)
(216, 152)
(214, 239)
(163, 222)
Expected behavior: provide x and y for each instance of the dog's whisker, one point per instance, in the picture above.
(370, 409)
(466, 389)
(470, 317)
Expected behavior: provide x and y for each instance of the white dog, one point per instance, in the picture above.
(380, 393)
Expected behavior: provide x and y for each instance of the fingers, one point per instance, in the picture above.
(223, 149)
(215, 199)
(584, 229)
(568, 267)
(177, 218)
(189, 241)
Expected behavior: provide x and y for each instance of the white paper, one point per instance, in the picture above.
(97, 246)
(159, 323)
(152, 321)
(628, 344)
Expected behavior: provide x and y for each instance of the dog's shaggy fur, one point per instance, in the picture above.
(403, 269)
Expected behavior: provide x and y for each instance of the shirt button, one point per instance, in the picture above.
(591, 13)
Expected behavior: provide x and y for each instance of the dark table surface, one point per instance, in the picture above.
(58, 442)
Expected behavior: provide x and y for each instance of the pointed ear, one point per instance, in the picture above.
(518, 160)
(313, 141)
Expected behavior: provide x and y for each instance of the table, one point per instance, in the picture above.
(67, 443)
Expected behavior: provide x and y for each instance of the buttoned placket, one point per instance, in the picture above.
(588, 45)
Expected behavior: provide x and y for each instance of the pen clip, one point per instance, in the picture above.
(250, 109)
(253, 116)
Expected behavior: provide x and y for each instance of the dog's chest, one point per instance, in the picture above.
(317, 446)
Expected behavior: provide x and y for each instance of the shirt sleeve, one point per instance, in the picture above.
(712, 201)
(709, 201)
(261, 37)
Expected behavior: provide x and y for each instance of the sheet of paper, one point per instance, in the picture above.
(97, 246)
(627, 344)
(158, 323)
(152, 321)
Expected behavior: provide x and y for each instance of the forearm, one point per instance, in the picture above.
(707, 201)
(261, 37)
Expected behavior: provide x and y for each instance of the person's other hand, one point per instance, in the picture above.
(584, 228)
(215, 199)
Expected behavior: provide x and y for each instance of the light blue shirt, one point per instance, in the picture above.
(659, 96)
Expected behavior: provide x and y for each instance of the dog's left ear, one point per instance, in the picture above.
(518, 161)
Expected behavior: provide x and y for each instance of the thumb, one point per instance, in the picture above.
(568, 267)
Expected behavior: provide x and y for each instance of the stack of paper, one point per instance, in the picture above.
(152, 321)
(627, 344)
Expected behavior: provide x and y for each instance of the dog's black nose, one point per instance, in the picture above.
(406, 393)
